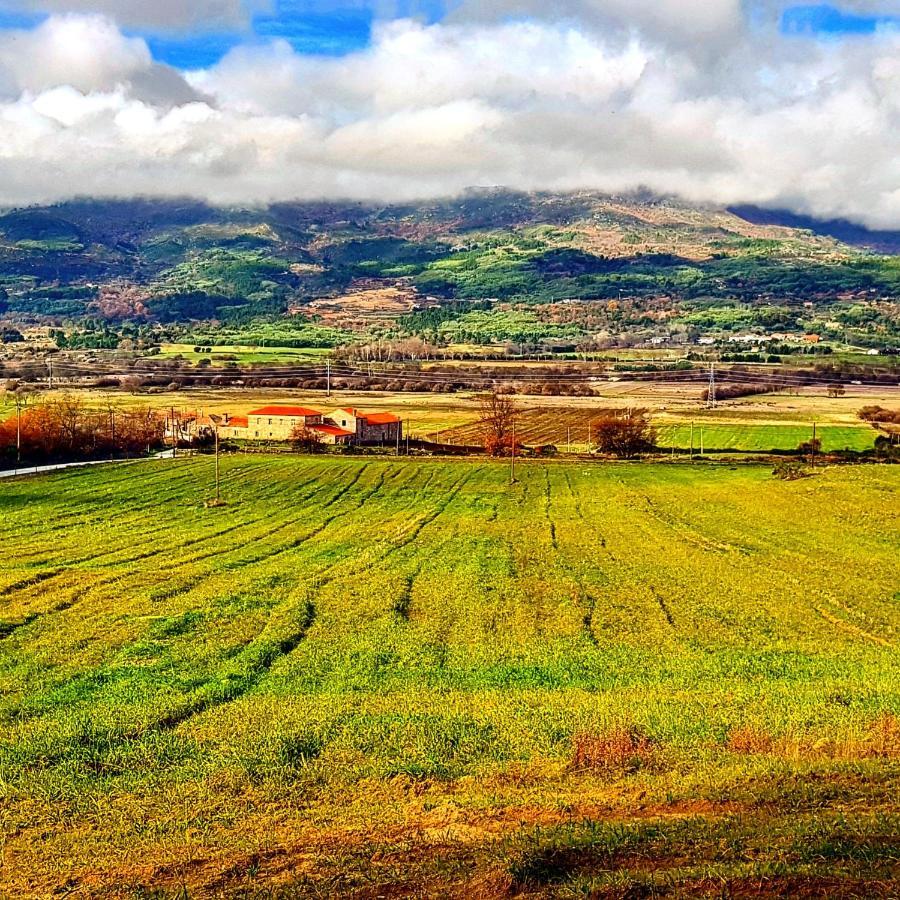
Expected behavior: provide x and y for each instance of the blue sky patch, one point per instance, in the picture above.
(831, 21)
(328, 35)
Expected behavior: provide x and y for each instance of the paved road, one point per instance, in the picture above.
(40, 470)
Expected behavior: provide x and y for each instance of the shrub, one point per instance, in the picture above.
(789, 470)
(306, 440)
(626, 435)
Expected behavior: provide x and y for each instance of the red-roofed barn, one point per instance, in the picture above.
(369, 428)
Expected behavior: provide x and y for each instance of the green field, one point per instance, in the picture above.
(762, 438)
(388, 678)
(243, 355)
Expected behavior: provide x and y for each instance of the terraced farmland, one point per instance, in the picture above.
(368, 678)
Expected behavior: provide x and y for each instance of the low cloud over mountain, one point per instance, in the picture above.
(708, 101)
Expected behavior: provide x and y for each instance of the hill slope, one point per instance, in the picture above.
(166, 262)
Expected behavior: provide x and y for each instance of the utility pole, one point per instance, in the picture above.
(328, 376)
(21, 403)
(407, 437)
(218, 497)
(398, 437)
(174, 432)
(50, 374)
(711, 393)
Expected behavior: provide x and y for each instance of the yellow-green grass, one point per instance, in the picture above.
(244, 354)
(381, 675)
(761, 438)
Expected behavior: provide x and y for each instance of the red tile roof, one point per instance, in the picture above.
(237, 422)
(381, 419)
(295, 411)
(372, 418)
(331, 429)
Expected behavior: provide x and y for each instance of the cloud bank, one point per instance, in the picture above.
(689, 97)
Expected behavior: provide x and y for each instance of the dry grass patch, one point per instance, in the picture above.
(616, 751)
(880, 741)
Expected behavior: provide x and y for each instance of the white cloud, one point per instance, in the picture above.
(87, 54)
(162, 15)
(429, 111)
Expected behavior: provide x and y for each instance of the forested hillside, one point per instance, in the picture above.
(488, 267)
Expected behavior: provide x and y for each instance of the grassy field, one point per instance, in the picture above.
(243, 355)
(760, 438)
(381, 678)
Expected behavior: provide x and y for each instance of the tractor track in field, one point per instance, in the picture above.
(321, 527)
(246, 523)
(589, 603)
(842, 625)
(205, 538)
(158, 502)
(9, 627)
(579, 510)
(31, 581)
(576, 499)
(689, 533)
(664, 606)
(347, 487)
(329, 573)
(260, 654)
(440, 509)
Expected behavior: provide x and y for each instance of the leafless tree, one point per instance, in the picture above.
(497, 422)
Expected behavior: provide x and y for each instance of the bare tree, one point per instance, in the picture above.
(497, 422)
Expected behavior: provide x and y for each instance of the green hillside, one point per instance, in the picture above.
(539, 269)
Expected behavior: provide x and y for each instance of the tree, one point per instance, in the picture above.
(811, 449)
(625, 435)
(306, 440)
(836, 390)
(497, 423)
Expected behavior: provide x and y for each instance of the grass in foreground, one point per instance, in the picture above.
(369, 677)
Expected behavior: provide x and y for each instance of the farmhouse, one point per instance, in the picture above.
(368, 428)
(279, 423)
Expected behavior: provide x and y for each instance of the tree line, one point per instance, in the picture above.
(65, 429)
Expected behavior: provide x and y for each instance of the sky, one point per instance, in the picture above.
(246, 102)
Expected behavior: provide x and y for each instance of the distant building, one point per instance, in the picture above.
(368, 428)
(277, 423)
(812, 338)
(232, 426)
(280, 423)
